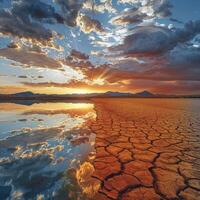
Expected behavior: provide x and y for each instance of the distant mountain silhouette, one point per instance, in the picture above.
(32, 97)
(145, 94)
(106, 94)
(117, 94)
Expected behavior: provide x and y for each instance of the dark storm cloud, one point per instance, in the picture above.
(167, 53)
(145, 41)
(18, 26)
(161, 8)
(73, 17)
(181, 63)
(190, 30)
(70, 10)
(37, 10)
(25, 20)
(185, 56)
(144, 10)
(153, 40)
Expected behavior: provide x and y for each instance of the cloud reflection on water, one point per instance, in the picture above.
(36, 153)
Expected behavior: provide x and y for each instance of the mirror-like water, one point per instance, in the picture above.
(41, 147)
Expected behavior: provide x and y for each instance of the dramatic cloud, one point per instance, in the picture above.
(30, 59)
(37, 10)
(24, 20)
(178, 87)
(143, 10)
(99, 7)
(79, 55)
(162, 87)
(151, 40)
(77, 84)
(78, 60)
(160, 8)
(110, 44)
(97, 77)
(70, 9)
(185, 57)
(145, 41)
(16, 26)
(88, 24)
(130, 16)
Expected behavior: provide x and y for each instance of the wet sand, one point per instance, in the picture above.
(147, 149)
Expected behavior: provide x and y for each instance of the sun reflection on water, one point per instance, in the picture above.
(39, 143)
(46, 106)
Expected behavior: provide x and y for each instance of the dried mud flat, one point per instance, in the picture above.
(147, 149)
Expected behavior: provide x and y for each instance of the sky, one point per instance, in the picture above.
(86, 46)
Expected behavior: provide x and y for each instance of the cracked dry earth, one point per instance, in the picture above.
(147, 149)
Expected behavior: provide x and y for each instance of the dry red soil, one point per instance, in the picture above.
(147, 149)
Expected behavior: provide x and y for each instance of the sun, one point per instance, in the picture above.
(98, 81)
(82, 91)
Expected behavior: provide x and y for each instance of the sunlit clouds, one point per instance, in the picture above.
(86, 46)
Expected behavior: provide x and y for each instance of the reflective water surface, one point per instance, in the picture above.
(42, 147)
(117, 148)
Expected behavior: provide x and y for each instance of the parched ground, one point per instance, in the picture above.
(147, 149)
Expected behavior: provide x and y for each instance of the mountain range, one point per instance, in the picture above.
(29, 94)
(110, 94)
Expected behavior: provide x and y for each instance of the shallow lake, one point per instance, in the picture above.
(41, 146)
